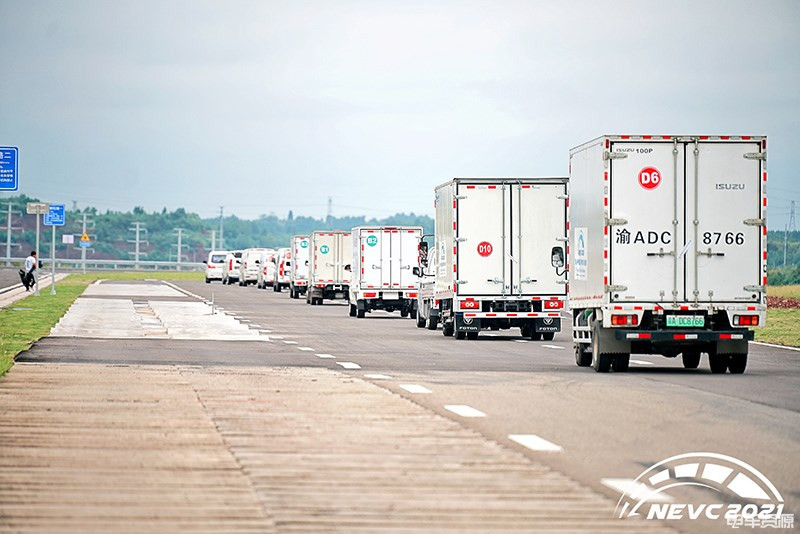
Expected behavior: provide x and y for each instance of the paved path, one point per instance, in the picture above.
(14, 292)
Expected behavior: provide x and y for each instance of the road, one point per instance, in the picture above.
(592, 427)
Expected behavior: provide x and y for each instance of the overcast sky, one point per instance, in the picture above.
(269, 106)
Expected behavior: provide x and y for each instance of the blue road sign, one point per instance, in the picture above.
(85, 244)
(56, 217)
(9, 167)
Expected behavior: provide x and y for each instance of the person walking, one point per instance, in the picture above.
(30, 266)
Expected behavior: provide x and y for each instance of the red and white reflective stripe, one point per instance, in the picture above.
(684, 336)
(511, 314)
(731, 336)
(638, 336)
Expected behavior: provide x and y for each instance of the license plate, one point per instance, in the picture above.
(686, 321)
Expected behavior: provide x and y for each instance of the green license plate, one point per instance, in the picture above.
(686, 321)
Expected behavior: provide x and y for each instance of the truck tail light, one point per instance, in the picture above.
(553, 304)
(411, 295)
(370, 295)
(624, 320)
(470, 305)
(745, 320)
(321, 286)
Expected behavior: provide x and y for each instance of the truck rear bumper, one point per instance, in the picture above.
(678, 336)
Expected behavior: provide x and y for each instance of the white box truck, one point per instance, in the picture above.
(381, 272)
(500, 255)
(298, 270)
(668, 248)
(331, 252)
(283, 263)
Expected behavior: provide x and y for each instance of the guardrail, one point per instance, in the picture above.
(110, 265)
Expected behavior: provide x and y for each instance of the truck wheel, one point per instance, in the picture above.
(601, 362)
(432, 322)
(718, 363)
(420, 321)
(361, 313)
(472, 336)
(448, 329)
(208, 281)
(548, 336)
(414, 313)
(353, 310)
(737, 363)
(582, 357)
(494, 327)
(621, 363)
(536, 336)
(319, 301)
(460, 335)
(691, 359)
(403, 313)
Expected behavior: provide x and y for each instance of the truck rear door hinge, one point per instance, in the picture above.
(755, 222)
(459, 239)
(760, 289)
(611, 289)
(616, 222)
(461, 282)
(562, 197)
(607, 155)
(755, 155)
(460, 197)
(562, 282)
(563, 239)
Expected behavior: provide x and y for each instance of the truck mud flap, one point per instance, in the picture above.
(547, 324)
(658, 336)
(467, 324)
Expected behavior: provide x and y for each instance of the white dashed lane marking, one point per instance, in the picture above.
(520, 340)
(635, 489)
(377, 376)
(535, 443)
(641, 362)
(306, 349)
(464, 411)
(349, 365)
(553, 347)
(289, 342)
(328, 356)
(414, 388)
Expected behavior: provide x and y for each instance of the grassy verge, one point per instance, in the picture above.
(781, 328)
(789, 292)
(28, 320)
(31, 318)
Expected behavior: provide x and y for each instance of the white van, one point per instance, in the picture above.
(283, 265)
(266, 273)
(251, 265)
(215, 264)
(230, 269)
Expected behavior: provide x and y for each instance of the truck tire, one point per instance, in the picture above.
(414, 313)
(319, 301)
(403, 313)
(718, 363)
(548, 336)
(431, 323)
(460, 335)
(582, 357)
(353, 310)
(472, 336)
(208, 281)
(420, 321)
(737, 363)
(361, 313)
(691, 359)
(448, 329)
(621, 363)
(600, 361)
(536, 336)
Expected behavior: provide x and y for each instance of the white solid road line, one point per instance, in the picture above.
(274, 337)
(521, 340)
(636, 489)
(464, 411)
(328, 356)
(307, 349)
(289, 342)
(553, 347)
(377, 376)
(414, 388)
(535, 443)
(641, 362)
(774, 346)
(349, 365)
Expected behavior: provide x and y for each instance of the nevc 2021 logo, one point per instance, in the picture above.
(747, 498)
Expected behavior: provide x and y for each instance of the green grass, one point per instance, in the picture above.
(792, 292)
(781, 328)
(33, 319)
(36, 316)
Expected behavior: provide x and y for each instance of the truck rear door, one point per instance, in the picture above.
(724, 195)
(301, 258)
(344, 256)
(646, 192)
(325, 257)
(372, 265)
(482, 230)
(539, 219)
(405, 251)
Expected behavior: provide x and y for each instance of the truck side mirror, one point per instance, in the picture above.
(557, 257)
(417, 271)
(423, 248)
(205, 262)
(347, 267)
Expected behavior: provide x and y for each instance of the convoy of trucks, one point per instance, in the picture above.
(656, 244)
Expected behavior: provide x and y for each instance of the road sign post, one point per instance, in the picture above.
(37, 208)
(55, 216)
(9, 167)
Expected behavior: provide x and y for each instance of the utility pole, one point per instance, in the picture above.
(330, 209)
(213, 240)
(137, 242)
(86, 224)
(221, 229)
(792, 227)
(10, 228)
(180, 246)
